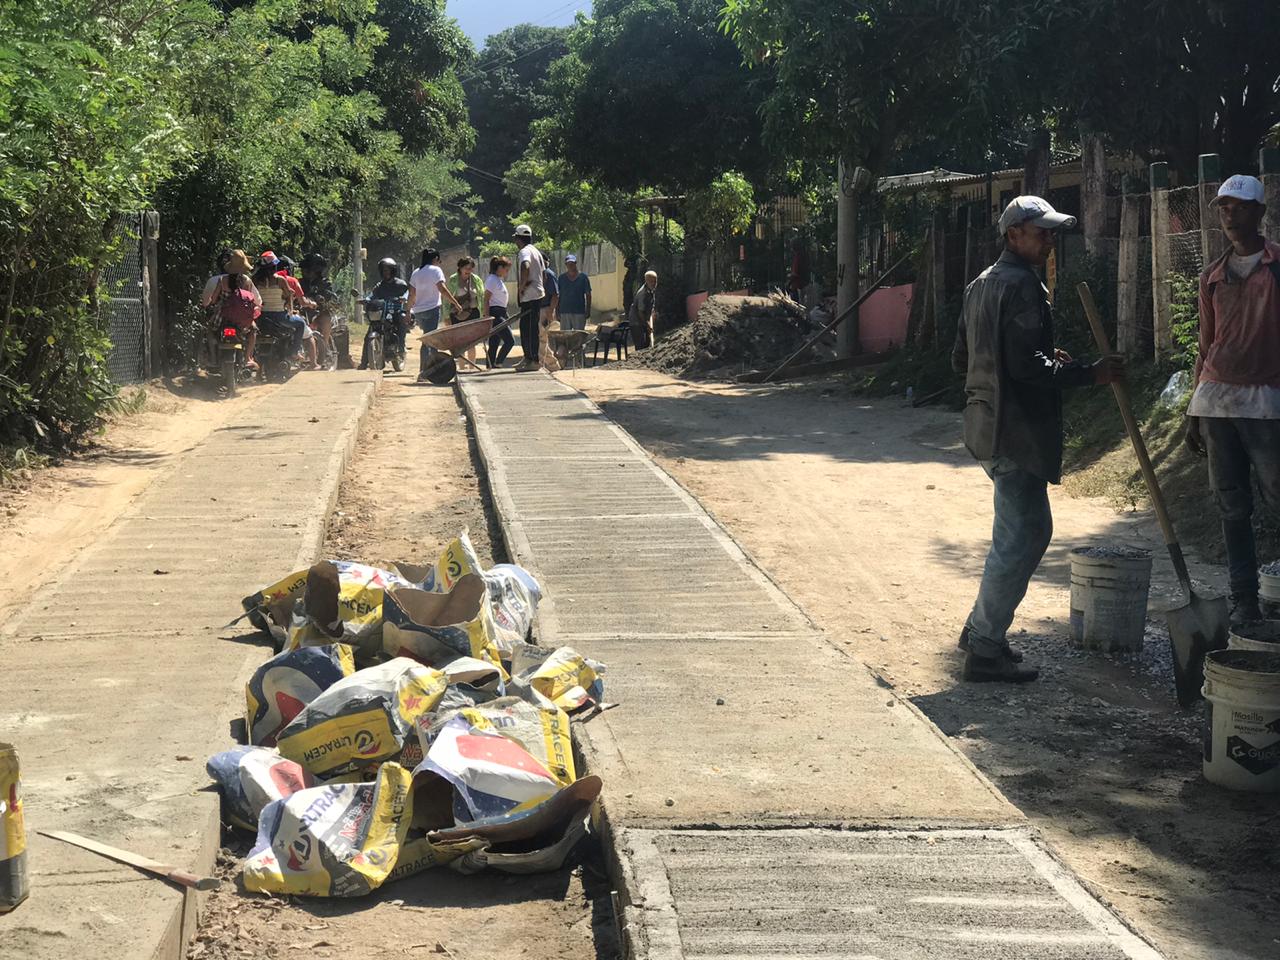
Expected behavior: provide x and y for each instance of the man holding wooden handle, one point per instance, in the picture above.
(1234, 415)
(1013, 423)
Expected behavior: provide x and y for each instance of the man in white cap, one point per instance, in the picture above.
(575, 296)
(1013, 423)
(529, 293)
(1234, 415)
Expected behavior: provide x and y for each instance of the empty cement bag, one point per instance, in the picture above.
(513, 592)
(281, 687)
(562, 678)
(536, 840)
(334, 840)
(498, 758)
(249, 778)
(437, 628)
(360, 588)
(362, 719)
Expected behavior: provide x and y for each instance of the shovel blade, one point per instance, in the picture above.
(1195, 628)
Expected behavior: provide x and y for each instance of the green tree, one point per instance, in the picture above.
(506, 93)
(652, 94)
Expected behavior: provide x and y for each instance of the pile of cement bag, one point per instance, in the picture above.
(405, 724)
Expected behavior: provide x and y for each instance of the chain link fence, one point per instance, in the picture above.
(125, 306)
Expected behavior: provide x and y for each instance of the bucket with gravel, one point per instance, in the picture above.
(1263, 635)
(1242, 726)
(1269, 586)
(1109, 587)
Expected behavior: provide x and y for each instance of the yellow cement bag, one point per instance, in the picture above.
(281, 687)
(14, 878)
(494, 760)
(362, 719)
(513, 593)
(335, 840)
(564, 679)
(437, 628)
(359, 607)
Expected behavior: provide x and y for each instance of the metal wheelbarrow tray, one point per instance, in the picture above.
(451, 343)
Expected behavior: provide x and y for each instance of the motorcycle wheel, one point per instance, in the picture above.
(342, 344)
(376, 358)
(228, 369)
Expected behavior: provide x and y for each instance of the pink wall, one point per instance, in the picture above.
(882, 320)
(693, 303)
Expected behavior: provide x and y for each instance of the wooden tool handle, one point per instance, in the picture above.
(1121, 391)
(188, 879)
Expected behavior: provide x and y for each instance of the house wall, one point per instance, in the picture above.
(882, 319)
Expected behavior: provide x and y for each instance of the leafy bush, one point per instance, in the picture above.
(1184, 314)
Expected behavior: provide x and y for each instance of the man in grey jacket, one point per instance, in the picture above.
(1013, 423)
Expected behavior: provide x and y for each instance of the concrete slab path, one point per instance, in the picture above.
(119, 680)
(736, 712)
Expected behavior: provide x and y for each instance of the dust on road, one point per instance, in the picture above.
(876, 520)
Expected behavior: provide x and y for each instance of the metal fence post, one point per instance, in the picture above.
(1269, 169)
(1127, 272)
(1160, 256)
(1211, 239)
(154, 331)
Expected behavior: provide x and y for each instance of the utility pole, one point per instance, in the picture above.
(846, 258)
(357, 256)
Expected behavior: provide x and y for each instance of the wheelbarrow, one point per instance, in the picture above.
(449, 345)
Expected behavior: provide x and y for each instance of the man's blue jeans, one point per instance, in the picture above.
(1238, 447)
(1020, 535)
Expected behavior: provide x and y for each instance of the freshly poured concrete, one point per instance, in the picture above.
(120, 679)
(735, 712)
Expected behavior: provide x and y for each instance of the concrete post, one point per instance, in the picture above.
(1212, 242)
(1160, 257)
(1093, 191)
(1127, 273)
(1269, 171)
(846, 259)
(1035, 172)
(938, 275)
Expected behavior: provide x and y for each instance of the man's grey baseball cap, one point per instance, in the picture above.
(1033, 210)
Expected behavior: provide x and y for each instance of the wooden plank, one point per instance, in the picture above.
(1127, 276)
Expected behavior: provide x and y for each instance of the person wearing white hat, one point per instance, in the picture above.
(1013, 423)
(1234, 414)
(530, 289)
(575, 296)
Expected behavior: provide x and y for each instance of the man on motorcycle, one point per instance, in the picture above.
(300, 302)
(317, 288)
(390, 286)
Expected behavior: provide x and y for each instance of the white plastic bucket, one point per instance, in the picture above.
(1242, 722)
(1109, 597)
(1262, 635)
(1269, 590)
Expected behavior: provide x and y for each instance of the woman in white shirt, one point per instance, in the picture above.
(427, 290)
(495, 305)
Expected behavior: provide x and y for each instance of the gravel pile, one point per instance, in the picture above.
(732, 335)
(1271, 569)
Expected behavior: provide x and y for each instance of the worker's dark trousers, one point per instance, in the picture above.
(529, 311)
(1235, 445)
(1020, 535)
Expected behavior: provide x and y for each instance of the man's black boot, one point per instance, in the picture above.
(1001, 669)
(1244, 607)
(1015, 654)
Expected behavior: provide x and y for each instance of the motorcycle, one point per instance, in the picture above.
(274, 353)
(384, 340)
(222, 353)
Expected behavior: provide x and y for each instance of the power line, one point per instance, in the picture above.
(479, 72)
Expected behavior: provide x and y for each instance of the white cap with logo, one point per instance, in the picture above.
(524, 230)
(1242, 187)
(1033, 210)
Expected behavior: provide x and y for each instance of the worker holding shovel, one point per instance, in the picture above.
(1234, 415)
(1013, 423)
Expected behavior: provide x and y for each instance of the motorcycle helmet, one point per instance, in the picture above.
(388, 263)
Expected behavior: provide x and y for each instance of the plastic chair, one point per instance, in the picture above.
(616, 337)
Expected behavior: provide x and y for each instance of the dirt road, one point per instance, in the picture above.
(411, 488)
(876, 520)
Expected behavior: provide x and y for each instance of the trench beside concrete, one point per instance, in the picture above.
(746, 745)
(120, 678)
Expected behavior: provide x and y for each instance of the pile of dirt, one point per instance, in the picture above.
(732, 335)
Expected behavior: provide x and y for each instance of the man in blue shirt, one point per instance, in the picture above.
(575, 296)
